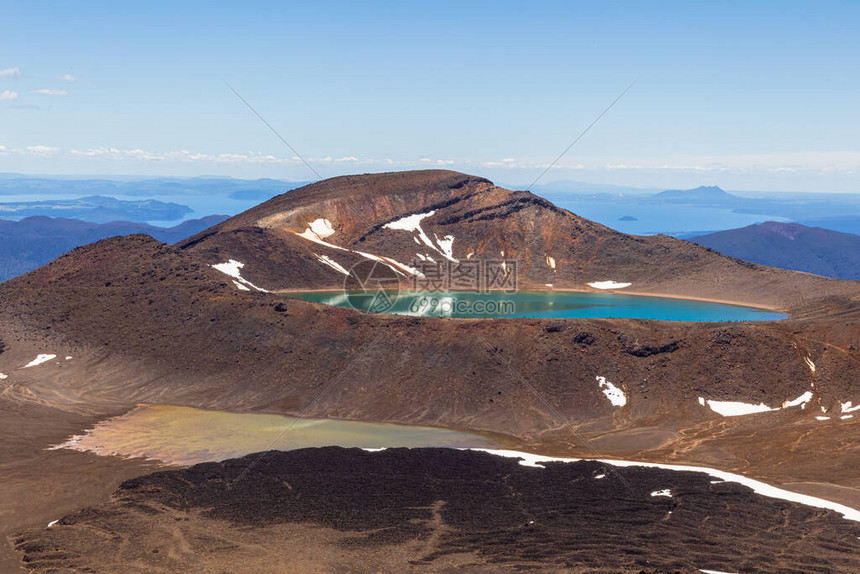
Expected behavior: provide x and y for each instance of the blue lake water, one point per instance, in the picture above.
(552, 304)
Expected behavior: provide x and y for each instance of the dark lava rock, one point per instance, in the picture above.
(555, 327)
(637, 349)
(584, 338)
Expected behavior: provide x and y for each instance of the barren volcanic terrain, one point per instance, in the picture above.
(130, 320)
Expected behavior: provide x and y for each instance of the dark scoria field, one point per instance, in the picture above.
(436, 510)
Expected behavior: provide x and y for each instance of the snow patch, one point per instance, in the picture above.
(318, 230)
(232, 268)
(614, 394)
(69, 358)
(326, 260)
(53, 522)
(410, 222)
(550, 260)
(240, 286)
(395, 266)
(2, 376)
(664, 492)
(446, 247)
(847, 408)
(42, 358)
(820, 418)
(547, 284)
(734, 408)
(609, 285)
(413, 223)
(801, 400)
(599, 476)
(536, 460)
(321, 228)
(843, 417)
(809, 364)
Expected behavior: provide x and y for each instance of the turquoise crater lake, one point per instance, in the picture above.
(534, 304)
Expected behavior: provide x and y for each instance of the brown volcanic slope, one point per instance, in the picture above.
(148, 322)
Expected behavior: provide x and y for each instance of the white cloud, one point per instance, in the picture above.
(8, 95)
(42, 150)
(835, 162)
(179, 155)
(50, 92)
(10, 73)
(69, 78)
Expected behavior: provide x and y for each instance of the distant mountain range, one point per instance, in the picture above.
(34, 241)
(790, 246)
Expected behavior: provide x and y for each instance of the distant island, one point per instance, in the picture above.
(628, 218)
(97, 209)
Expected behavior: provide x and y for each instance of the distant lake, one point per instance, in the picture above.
(544, 304)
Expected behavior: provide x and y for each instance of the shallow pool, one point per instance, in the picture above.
(185, 435)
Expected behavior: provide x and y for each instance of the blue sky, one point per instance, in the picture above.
(747, 95)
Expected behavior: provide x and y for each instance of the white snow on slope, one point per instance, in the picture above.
(446, 247)
(326, 260)
(734, 408)
(664, 492)
(609, 285)
(2, 376)
(737, 408)
(758, 487)
(614, 394)
(820, 418)
(411, 223)
(42, 358)
(801, 400)
(395, 266)
(809, 364)
(51, 523)
(550, 260)
(843, 417)
(318, 228)
(232, 268)
(847, 408)
(240, 286)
